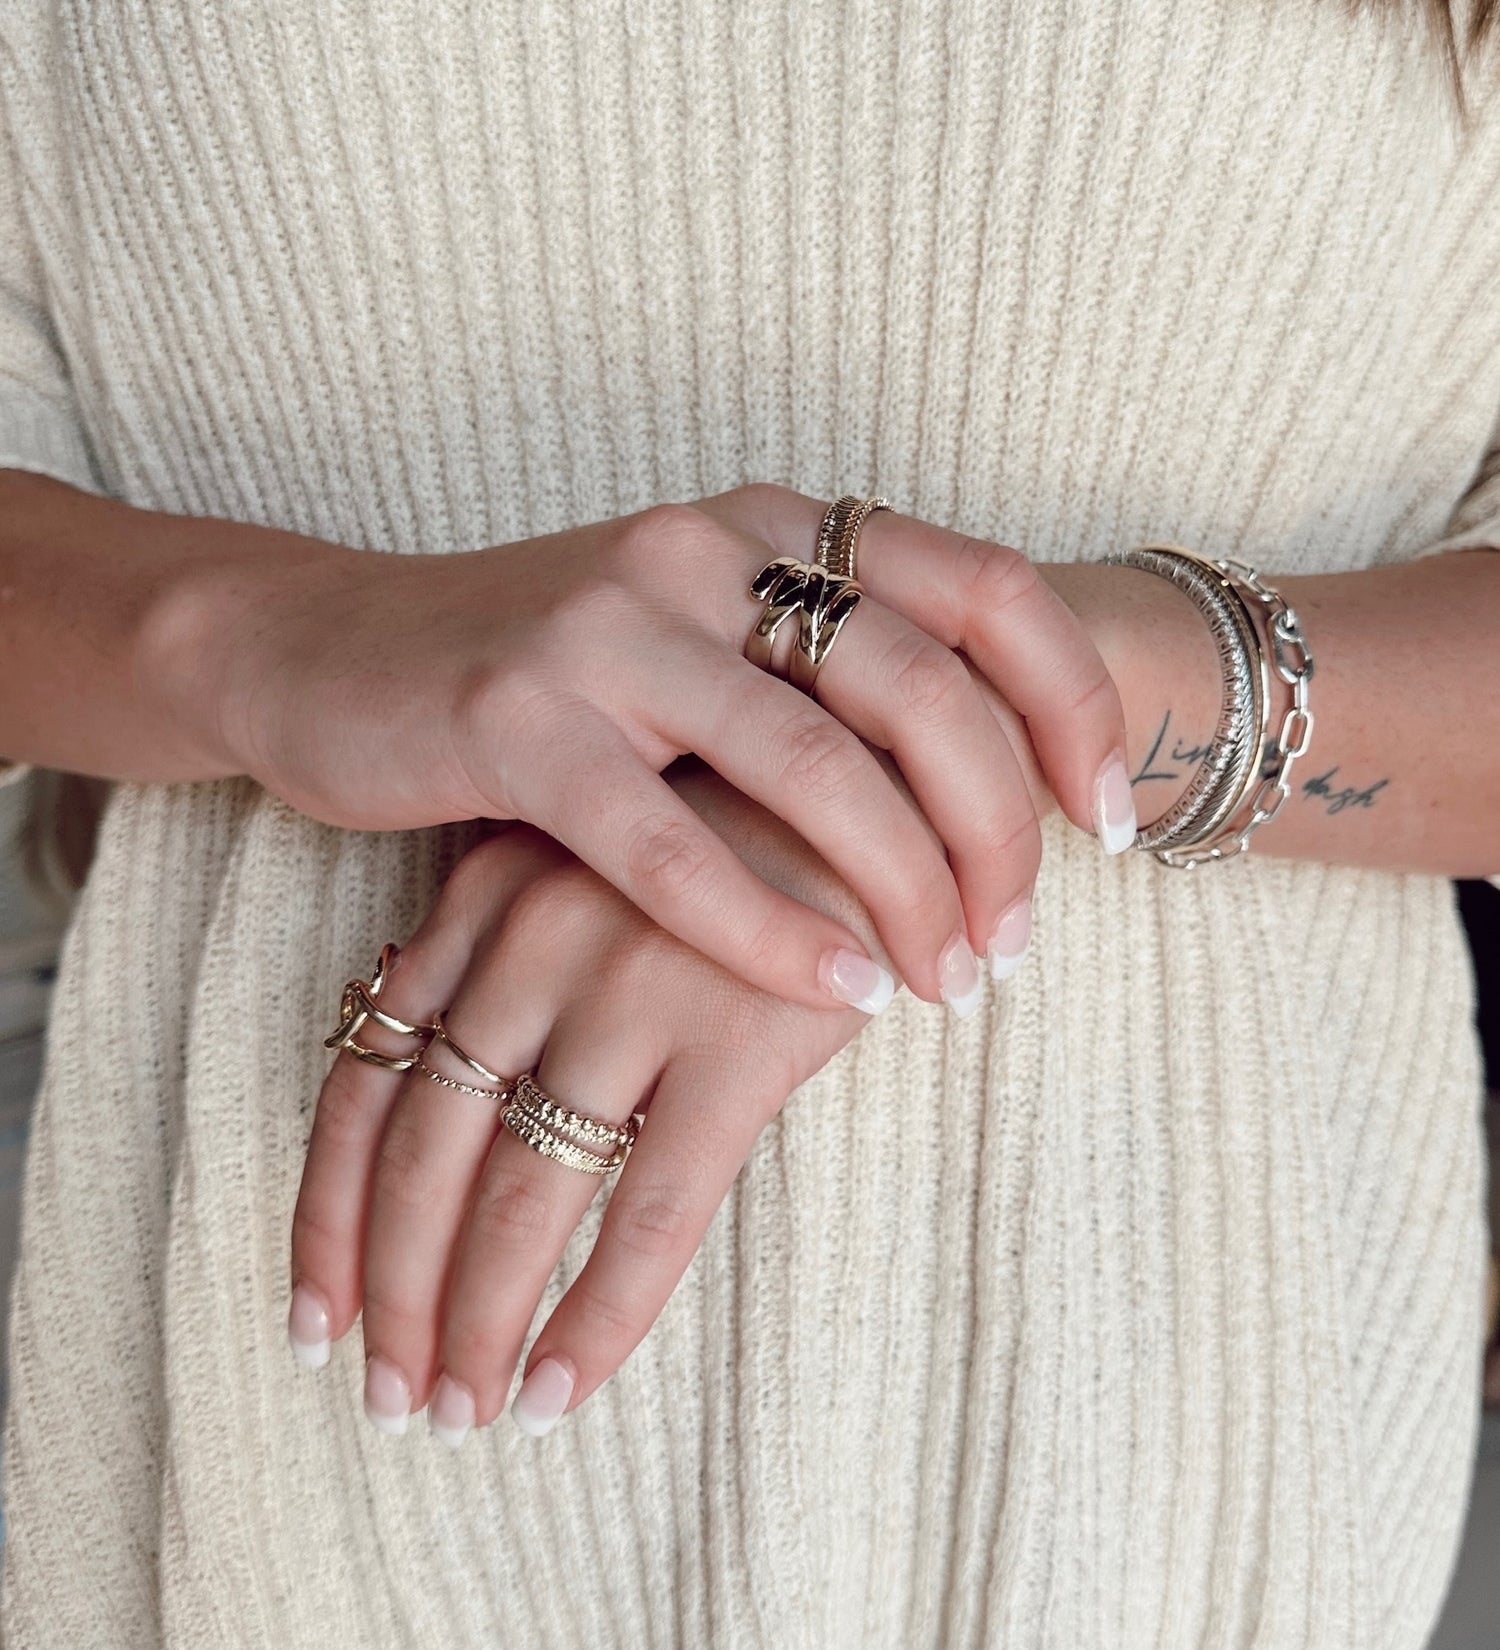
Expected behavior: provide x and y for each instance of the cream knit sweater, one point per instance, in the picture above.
(1164, 1333)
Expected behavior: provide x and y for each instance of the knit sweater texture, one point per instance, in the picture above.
(1143, 1308)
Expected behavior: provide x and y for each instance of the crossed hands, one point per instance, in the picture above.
(614, 937)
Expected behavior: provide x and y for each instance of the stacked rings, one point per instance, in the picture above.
(570, 1137)
(556, 1130)
(823, 593)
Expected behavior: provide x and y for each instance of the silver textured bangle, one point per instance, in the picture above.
(1292, 660)
(1232, 756)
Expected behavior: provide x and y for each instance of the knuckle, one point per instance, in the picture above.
(1018, 849)
(664, 533)
(1092, 688)
(998, 577)
(472, 1349)
(404, 1176)
(601, 1319)
(343, 1114)
(667, 858)
(651, 1224)
(819, 755)
(510, 1211)
(316, 1237)
(927, 677)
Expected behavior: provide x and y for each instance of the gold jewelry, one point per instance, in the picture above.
(838, 537)
(554, 1130)
(358, 1004)
(440, 1034)
(780, 585)
(501, 1096)
(827, 603)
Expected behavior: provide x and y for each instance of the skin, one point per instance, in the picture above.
(403, 1186)
(159, 647)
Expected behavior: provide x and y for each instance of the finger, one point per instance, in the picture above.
(526, 1208)
(801, 762)
(356, 1098)
(692, 1144)
(431, 1158)
(895, 686)
(989, 601)
(594, 794)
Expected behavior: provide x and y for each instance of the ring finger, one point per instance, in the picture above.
(525, 1209)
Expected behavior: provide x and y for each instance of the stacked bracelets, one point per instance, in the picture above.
(1241, 768)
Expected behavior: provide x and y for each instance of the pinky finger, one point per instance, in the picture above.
(693, 1142)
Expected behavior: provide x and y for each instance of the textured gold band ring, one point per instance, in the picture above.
(500, 1096)
(838, 536)
(358, 1004)
(555, 1130)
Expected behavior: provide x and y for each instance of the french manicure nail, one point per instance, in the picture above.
(1114, 807)
(451, 1412)
(856, 980)
(543, 1397)
(1009, 941)
(387, 1396)
(308, 1326)
(958, 977)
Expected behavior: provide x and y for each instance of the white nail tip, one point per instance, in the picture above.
(880, 997)
(310, 1354)
(395, 1425)
(968, 1003)
(543, 1397)
(451, 1436)
(1002, 965)
(1114, 809)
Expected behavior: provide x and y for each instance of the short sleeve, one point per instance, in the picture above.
(40, 427)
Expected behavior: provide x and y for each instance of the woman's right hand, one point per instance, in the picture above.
(550, 681)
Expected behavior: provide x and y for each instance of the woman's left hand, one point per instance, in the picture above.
(419, 1208)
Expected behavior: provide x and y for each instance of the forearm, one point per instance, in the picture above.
(1403, 770)
(105, 628)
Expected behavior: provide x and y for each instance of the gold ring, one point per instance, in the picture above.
(358, 1004)
(838, 536)
(779, 584)
(441, 1034)
(827, 603)
(501, 1095)
(555, 1130)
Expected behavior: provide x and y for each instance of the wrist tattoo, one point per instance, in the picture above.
(1173, 757)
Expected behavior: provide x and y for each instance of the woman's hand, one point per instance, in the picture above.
(550, 681)
(417, 1206)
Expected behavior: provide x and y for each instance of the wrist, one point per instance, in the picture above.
(1161, 654)
(215, 629)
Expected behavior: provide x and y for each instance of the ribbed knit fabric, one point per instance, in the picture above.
(1143, 1309)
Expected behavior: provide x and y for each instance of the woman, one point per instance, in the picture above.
(1136, 1300)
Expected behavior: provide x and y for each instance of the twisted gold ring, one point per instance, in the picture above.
(358, 1004)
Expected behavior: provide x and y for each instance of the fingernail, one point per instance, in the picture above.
(451, 1412)
(543, 1397)
(387, 1396)
(857, 980)
(958, 977)
(308, 1326)
(1114, 807)
(1009, 941)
